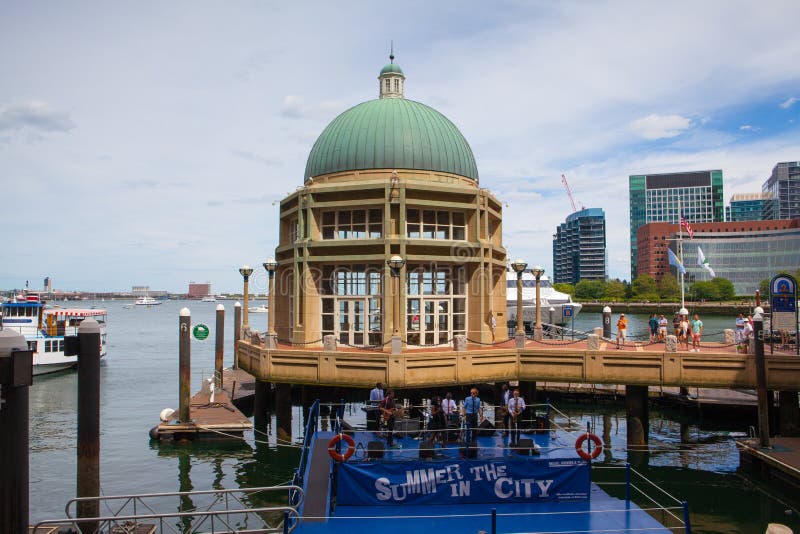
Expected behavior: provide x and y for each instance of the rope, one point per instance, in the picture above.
(293, 344)
(490, 344)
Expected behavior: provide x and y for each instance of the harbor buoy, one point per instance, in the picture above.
(351, 447)
(579, 446)
(165, 414)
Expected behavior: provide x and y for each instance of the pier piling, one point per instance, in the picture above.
(16, 374)
(260, 402)
(607, 322)
(219, 347)
(88, 472)
(184, 365)
(283, 411)
(761, 380)
(789, 413)
(237, 331)
(638, 415)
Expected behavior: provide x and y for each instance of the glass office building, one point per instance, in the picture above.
(749, 207)
(784, 186)
(656, 197)
(579, 247)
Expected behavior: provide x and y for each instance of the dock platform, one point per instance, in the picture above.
(209, 420)
(780, 463)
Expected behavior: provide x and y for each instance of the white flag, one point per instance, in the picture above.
(703, 262)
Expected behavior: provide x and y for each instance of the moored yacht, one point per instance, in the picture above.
(147, 301)
(550, 298)
(44, 330)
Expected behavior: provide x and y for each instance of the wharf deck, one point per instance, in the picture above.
(209, 420)
(781, 462)
(238, 383)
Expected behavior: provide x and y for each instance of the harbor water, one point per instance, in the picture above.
(693, 458)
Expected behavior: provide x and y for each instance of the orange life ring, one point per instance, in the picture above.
(597, 450)
(351, 447)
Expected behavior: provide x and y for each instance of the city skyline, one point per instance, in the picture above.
(155, 156)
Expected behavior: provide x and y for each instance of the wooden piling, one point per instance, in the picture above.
(88, 471)
(638, 415)
(184, 366)
(219, 346)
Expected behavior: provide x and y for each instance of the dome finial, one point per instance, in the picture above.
(391, 51)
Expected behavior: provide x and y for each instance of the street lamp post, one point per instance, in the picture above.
(246, 271)
(519, 335)
(538, 271)
(272, 337)
(396, 263)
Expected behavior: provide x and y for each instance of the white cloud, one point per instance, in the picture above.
(660, 126)
(789, 102)
(34, 116)
(746, 127)
(293, 107)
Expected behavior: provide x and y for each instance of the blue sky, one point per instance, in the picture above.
(144, 143)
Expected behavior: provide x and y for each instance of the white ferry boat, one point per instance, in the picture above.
(550, 298)
(208, 298)
(44, 330)
(147, 301)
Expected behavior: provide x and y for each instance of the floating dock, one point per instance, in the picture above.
(209, 420)
(780, 463)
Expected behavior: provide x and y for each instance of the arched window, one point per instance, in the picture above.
(387, 85)
(396, 85)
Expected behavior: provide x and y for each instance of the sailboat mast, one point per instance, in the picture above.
(680, 251)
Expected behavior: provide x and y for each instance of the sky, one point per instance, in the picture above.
(146, 143)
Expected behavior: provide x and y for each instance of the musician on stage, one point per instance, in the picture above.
(506, 416)
(449, 408)
(388, 409)
(374, 413)
(516, 405)
(473, 411)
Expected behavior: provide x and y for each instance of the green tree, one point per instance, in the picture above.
(668, 287)
(589, 289)
(644, 287)
(615, 290)
(763, 287)
(569, 289)
(724, 287)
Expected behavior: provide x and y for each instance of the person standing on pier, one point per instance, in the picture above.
(653, 323)
(740, 327)
(684, 331)
(697, 331)
(662, 328)
(472, 412)
(622, 327)
(516, 405)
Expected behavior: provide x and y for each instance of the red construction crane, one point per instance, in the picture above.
(569, 193)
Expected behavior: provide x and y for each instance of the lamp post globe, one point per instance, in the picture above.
(395, 263)
(271, 266)
(538, 271)
(519, 266)
(246, 271)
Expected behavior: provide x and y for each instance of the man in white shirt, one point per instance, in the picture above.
(449, 408)
(516, 405)
(375, 399)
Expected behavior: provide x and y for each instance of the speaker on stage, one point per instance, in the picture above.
(526, 447)
(426, 449)
(485, 428)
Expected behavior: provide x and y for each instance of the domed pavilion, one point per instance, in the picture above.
(390, 233)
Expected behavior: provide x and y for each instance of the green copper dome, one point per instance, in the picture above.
(391, 68)
(391, 133)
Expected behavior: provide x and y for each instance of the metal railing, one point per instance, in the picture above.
(226, 512)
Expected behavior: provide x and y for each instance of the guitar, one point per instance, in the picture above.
(387, 412)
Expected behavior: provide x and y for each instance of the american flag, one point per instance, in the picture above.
(688, 227)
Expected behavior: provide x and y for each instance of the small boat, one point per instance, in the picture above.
(263, 308)
(147, 301)
(44, 329)
(208, 298)
(549, 297)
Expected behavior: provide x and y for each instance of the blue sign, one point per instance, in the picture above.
(783, 294)
(462, 482)
(566, 311)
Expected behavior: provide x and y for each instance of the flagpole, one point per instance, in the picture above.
(680, 251)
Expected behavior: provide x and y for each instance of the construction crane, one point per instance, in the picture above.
(569, 193)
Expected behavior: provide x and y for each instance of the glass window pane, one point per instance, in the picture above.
(375, 216)
(344, 217)
(429, 231)
(443, 217)
(328, 217)
(374, 230)
(359, 216)
(429, 217)
(413, 216)
(458, 218)
(327, 232)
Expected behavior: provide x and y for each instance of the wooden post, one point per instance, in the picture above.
(237, 332)
(88, 422)
(184, 365)
(14, 439)
(283, 411)
(219, 347)
(761, 381)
